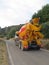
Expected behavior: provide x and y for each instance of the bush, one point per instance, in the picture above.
(45, 42)
(1, 36)
(45, 29)
(47, 46)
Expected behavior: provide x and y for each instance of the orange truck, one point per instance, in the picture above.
(30, 35)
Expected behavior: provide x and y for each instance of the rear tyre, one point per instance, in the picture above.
(19, 45)
(22, 48)
(38, 48)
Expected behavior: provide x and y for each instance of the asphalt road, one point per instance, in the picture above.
(18, 57)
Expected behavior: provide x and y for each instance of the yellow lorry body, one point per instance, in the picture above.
(29, 34)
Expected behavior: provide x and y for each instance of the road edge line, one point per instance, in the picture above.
(10, 58)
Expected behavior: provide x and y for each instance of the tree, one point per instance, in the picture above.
(43, 14)
(11, 33)
(45, 29)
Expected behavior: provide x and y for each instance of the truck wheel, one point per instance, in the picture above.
(19, 45)
(22, 48)
(38, 48)
(16, 43)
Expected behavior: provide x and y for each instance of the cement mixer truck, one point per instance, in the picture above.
(29, 35)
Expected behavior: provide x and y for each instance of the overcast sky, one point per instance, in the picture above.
(13, 12)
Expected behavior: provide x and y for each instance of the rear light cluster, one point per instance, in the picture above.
(25, 47)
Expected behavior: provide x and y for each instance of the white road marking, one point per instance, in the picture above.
(11, 61)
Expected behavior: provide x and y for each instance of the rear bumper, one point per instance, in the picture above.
(34, 46)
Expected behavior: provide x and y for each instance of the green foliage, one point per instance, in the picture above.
(43, 14)
(47, 46)
(45, 29)
(1, 36)
(9, 32)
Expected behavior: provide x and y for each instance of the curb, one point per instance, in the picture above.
(45, 50)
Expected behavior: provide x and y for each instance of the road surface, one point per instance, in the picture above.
(18, 57)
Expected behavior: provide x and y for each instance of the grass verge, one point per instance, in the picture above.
(46, 43)
(3, 53)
